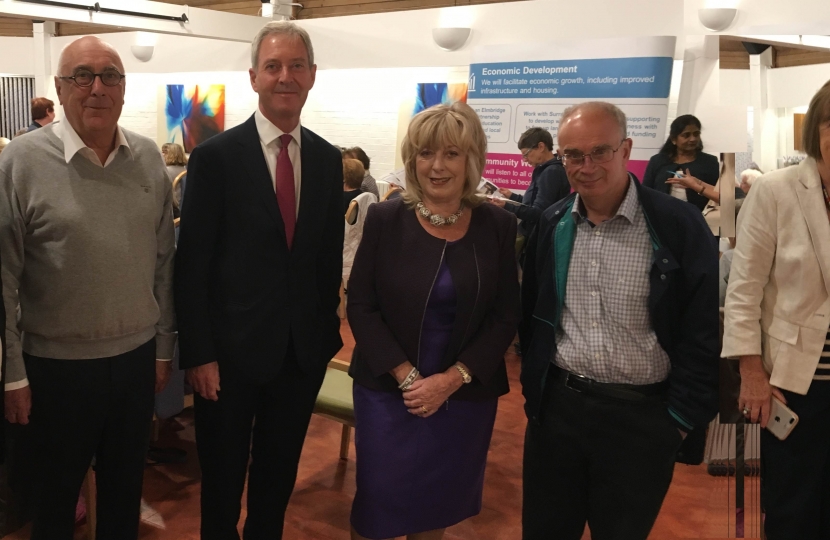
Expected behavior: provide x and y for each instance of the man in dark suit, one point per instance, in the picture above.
(258, 274)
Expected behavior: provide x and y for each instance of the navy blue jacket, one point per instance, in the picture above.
(548, 184)
(683, 302)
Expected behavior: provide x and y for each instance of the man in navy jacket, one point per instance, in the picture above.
(619, 339)
(548, 182)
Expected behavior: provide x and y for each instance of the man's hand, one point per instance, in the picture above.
(163, 371)
(506, 193)
(18, 405)
(496, 201)
(205, 380)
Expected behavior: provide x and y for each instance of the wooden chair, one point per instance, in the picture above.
(351, 213)
(391, 191)
(91, 504)
(176, 182)
(335, 401)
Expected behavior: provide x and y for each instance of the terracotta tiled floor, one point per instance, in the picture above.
(694, 508)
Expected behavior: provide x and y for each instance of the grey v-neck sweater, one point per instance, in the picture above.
(87, 252)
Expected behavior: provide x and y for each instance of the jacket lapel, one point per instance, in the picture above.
(313, 191)
(811, 200)
(254, 162)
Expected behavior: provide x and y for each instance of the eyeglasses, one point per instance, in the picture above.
(601, 154)
(85, 77)
(525, 153)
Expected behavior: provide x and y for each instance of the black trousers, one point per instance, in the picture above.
(599, 460)
(795, 473)
(265, 423)
(85, 408)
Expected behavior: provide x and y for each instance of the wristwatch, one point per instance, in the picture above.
(465, 375)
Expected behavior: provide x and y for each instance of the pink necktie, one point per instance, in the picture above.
(286, 195)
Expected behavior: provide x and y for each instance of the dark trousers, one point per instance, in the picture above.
(597, 459)
(795, 473)
(85, 408)
(264, 422)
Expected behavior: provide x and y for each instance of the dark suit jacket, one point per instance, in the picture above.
(548, 184)
(391, 280)
(241, 295)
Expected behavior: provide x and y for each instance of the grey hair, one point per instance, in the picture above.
(282, 28)
(608, 108)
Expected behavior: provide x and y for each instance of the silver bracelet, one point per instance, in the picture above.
(407, 382)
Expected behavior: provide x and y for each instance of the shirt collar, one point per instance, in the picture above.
(72, 143)
(628, 208)
(268, 132)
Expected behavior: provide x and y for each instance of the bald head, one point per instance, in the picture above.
(596, 109)
(85, 46)
(92, 109)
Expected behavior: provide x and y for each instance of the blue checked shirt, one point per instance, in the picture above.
(605, 331)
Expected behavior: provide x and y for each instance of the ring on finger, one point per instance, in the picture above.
(424, 410)
(745, 411)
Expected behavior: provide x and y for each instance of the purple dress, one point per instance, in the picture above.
(419, 474)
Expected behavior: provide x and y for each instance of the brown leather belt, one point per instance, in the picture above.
(626, 392)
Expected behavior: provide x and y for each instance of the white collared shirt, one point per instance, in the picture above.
(72, 144)
(269, 139)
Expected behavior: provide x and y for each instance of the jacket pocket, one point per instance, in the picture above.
(784, 331)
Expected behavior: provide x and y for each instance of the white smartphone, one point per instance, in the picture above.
(782, 420)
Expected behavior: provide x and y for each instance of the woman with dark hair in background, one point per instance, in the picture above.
(681, 168)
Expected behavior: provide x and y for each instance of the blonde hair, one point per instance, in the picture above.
(173, 154)
(438, 127)
(3, 142)
(352, 173)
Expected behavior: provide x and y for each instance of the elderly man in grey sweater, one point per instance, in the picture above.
(87, 245)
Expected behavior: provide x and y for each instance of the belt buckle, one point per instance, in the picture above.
(574, 377)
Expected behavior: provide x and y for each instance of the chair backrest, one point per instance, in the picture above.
(383, 187)
(354, 230)
(392, 193)
(180, 179)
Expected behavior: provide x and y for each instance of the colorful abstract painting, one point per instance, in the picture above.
(193, 114)
(429, 94)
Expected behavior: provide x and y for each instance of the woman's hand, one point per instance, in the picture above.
(756, 391)
(432, 392)
(687, 181)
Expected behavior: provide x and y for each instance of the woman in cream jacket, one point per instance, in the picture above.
(777, 315)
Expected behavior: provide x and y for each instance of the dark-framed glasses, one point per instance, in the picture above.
(85, 77)
(600, 154)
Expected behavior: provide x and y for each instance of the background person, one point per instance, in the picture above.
(776, 321)
(683, 152)
(548, 182)
(352, 179)
(43, 113)
(433, 305)
(369, 184)
(176, 162)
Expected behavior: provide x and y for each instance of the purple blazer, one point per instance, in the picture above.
(392, 276)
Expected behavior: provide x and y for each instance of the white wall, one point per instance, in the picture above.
(795, 86)
(347, 107)
(17, 56)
